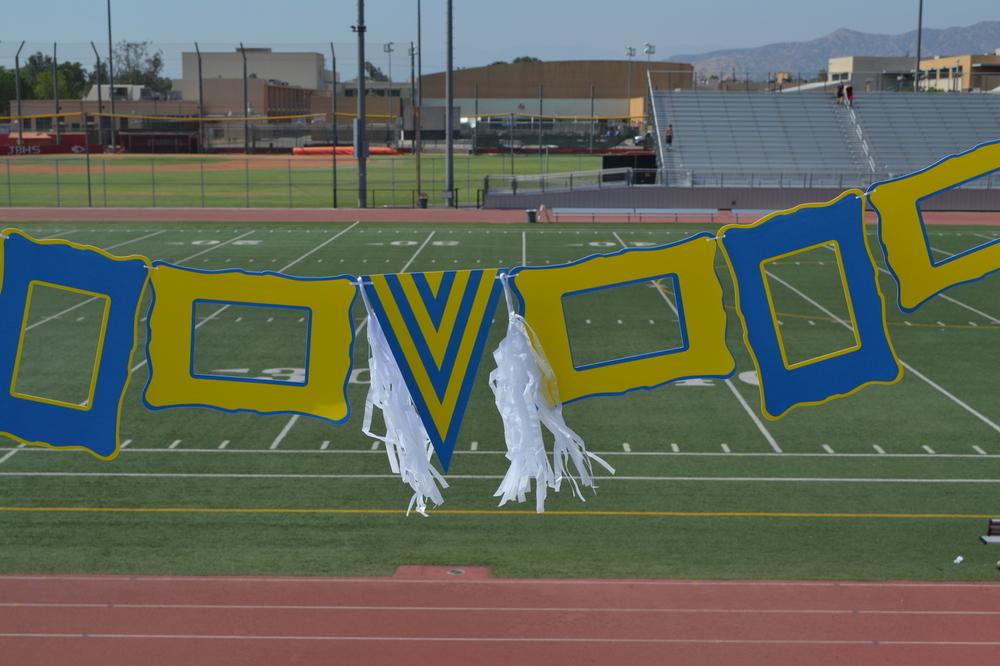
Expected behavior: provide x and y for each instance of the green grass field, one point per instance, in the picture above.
(258, 181)
(894, 482)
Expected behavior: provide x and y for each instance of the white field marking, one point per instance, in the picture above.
(325, 445)
(979, 450)
(134, 240)
(725, 448)
(524, 248)
(906, 365)
(280, 270)
(674, 448)
(80, 318)
(474, 446)
(125, 443)
(422, 246)
(907, 322)
(626, 447)
(878, 449)
(620, 322)
(973, 324)
(11, 453)
(753, 416)
(224, 443)
(828, 448)
(984, 236)
(940, 323)
(174, 444)
(497, 477)
(284, 431)
(375, 445)
(928, 449)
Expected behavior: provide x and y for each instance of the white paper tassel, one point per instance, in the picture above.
(524, 387)
(406, 441)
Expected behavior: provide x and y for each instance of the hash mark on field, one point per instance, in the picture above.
(928, 449)
(239, 319)
(284, 431)
(674, 447)
(474, 446)
(224, 443)
(907, 322)
(125, 443)
(828, 448)
(978, 450)
(626, 448)
(878, 449)
(725, 448)
(375, 445)
(80, 318)
(174, 444)
(326, 443)
(270, 319)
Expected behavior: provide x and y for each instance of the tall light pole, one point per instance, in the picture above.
(333, 112)
(100, 99)
(388, 48)
(111, 79)
(920, 34)
(449, 93)
(649, 50)
(246, 105)
(420, 97)
(629, 53)
(360, 147)
(17, 92)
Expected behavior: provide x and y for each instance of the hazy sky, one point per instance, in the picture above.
(485, 31)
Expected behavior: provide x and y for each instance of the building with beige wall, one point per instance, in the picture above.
(613, 88)
(961, 73)
(871, 73)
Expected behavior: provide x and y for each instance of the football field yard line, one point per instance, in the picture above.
(284, 431)
(498, 477)
(958, 401)
(10, 453)
(955, 300)
(729, 384)
(474, 450)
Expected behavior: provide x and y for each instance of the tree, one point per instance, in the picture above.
(72, 81)
(820, 75)
(7, 90)
(521, 59)
(498, 62)
(374, 73)
(135, 65)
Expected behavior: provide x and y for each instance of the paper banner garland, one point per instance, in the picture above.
(436, 326)
(91, 424)
(427, 333)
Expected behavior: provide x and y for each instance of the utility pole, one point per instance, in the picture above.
(360, 147)
(449, 93)
(920, 34)
(388, 48)
(201, 102)
(100, 100)
(111, 80)
(55, 92)
(333, 112)
(246, 105)
(413, 95)
(420, 99)
(17, 92)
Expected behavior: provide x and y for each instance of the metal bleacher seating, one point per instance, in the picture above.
(908, 131)
(757, 139)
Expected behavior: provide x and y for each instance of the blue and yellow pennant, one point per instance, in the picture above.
(436, 325)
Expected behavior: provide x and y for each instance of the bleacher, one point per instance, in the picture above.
(757, 139)
(908, 131)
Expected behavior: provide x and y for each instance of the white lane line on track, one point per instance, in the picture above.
(743, 403)
(958, 401)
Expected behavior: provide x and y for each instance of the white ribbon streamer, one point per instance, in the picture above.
(523, 385)
(406, 441)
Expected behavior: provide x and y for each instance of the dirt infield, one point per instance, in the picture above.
(433, 615)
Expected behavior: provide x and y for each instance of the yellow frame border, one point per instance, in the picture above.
(86, 406)
(774, 313)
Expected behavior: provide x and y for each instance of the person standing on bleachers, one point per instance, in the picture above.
(668, 136)
(840, 93)
(849, 92)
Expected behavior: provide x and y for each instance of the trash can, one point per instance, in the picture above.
(532, 215)
(422, 201)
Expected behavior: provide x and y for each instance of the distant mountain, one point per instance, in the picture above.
(810, 57)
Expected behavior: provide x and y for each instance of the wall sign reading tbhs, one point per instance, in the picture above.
(433, 326)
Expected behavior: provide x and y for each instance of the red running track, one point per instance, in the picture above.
(425, 616)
